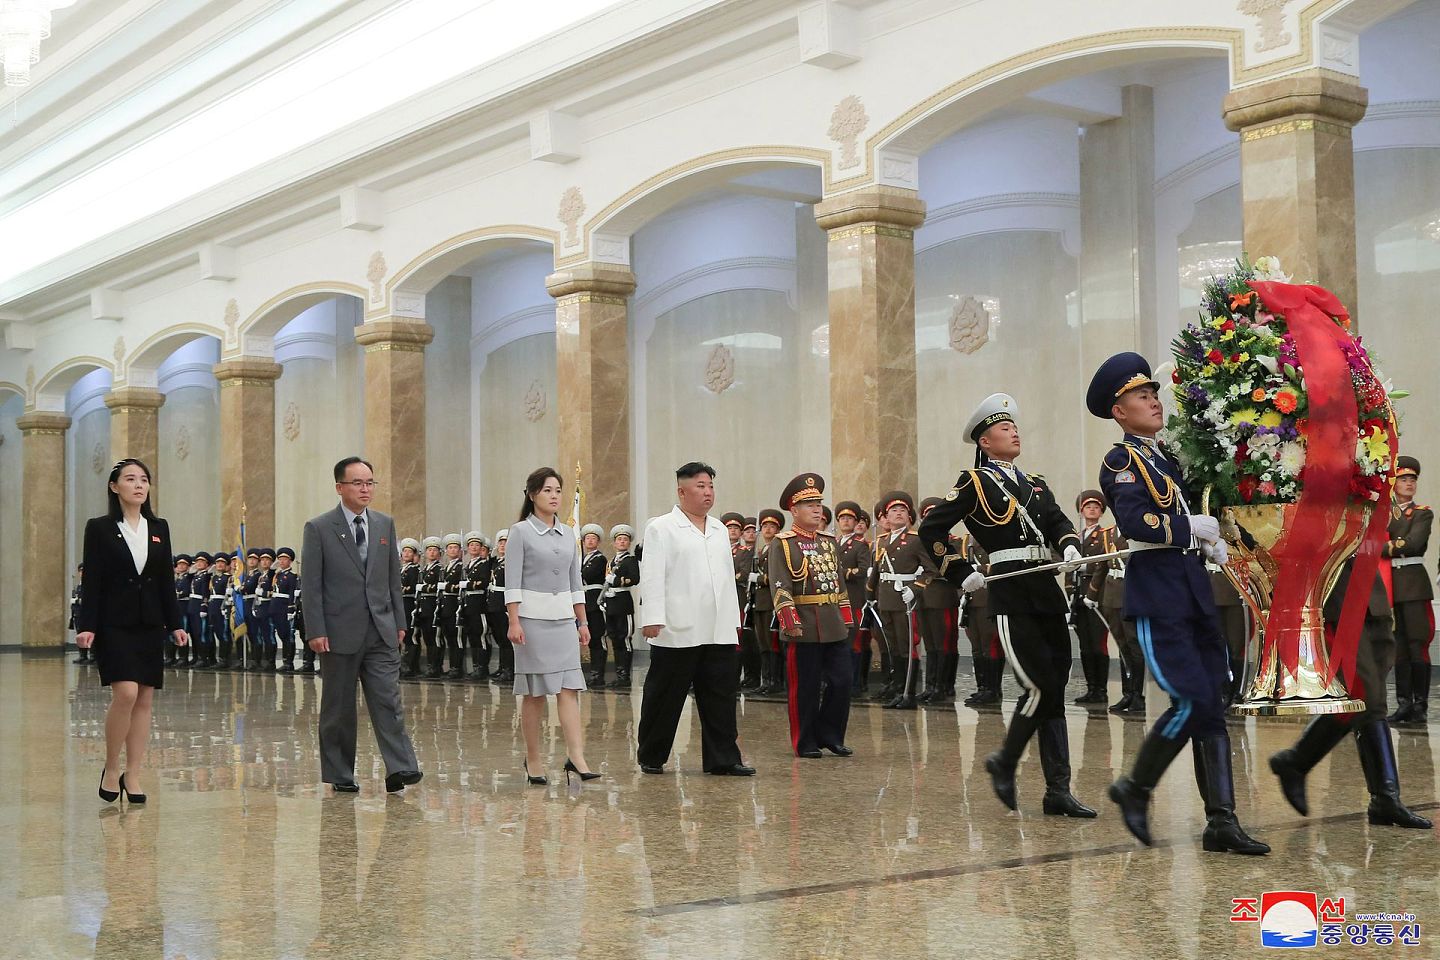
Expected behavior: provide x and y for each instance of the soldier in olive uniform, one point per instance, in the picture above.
(741, 559)
(1410, 526)
(854, 554)
(284, 584)
(1014, 516)
(900, 572)
(593, 567)
(762, 608)
(1089, 628)
(987, 656)
(620, 586)
(409, 584)
(495, 612)
(813, 611)
(749, 642)
(427, 608)
(84, 655)
(939, 616)
(1106, 594)
(472, 604)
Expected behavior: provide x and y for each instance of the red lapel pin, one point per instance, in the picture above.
(154, 539)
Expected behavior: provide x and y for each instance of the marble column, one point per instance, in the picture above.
(592, 357)
(1117, 255)
(247, 448)
(42, 500)
(871, 255)
(395, 417)
(1297, 174)
(135, 429)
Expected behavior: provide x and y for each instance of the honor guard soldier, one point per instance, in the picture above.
(217, 617)
(749, 642)
(1234, 627)
(448, 618)
(264, 589)
(182, 596)
(854, 553)
(1089, 627)
(593, 568)
(472, 604)
(900, 572)
(309, 663)
(742, 559)
(813, 611)
(1105, 594)
(284, 584)
(1014, 516)
(84, 655)
(1410, 526)
(762, 606)
(409, 584)
(495, 612)
(427, 608)
(987, 656)
(196, 611)
(254, 643)
(1168, 594)
(939, 616)
(620, 585)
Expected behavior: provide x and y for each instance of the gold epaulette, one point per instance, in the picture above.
(785, 534)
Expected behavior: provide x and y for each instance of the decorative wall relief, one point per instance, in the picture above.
(98, 456)
(719, 369)
(375, 273)
(572, 208)
(533, 403)
(182, 443)
(119, 354)
(1270, 15)
(232, 324)
(969, 325)
(291, 425)
(30, 383)
(847, 122)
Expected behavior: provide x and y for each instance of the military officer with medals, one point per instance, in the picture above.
(1409, 536)
(593, 568)
(620, 586)
(813, 610)
(495, 612)
(1168, 593)
(854, 555)
(1014, 516)
(284, 584)
(427, 608)
(409, 585)
(762, 607)
(901, 569)
(474, 588)
(1089, 627)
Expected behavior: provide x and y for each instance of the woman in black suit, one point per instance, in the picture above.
(126, 611)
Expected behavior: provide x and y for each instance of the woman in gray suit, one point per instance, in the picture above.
(545, 601)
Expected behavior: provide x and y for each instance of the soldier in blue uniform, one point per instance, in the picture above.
(197, 611)
(216, 619)
(1168, 594)
(1013, 515)
(264, 587)
(182, 597)
(248, 585)
(284, 584)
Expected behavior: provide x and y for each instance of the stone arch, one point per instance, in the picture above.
(7, 388)
(253, 335)
(405, 290)
(50, 389)
(153, 352)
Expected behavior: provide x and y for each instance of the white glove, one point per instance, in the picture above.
(610, 580)
(976, 581)
(907, 595)
(1072, 559)
(1216, 552)
(1090, 604)
(754, 578)
(1205, 529)
(464, 584)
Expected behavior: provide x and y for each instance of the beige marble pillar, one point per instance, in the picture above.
(592, 358)
(1117, 255)
(247, 448)
(135, 429)
(1297, 174)
(42, 500)
(395, 417)
(871, 254)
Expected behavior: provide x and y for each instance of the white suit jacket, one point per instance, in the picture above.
(682, 570)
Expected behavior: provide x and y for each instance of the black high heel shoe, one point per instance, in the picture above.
(109, 796)
(571, 768)
(534, 781)
(130, 797)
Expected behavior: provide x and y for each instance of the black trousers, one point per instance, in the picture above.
(1038, 648)
(595, 619)
(818, 720)
(617, 628)
(711, 670)
(500, 634)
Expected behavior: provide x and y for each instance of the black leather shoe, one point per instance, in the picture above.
(812, 754)
(1002, 779)
(651, 768)
(1065, 805)
(1292, 780)
(396, 782)
(1134, 803)
(839, 749)
(735, 770)
(346, 786)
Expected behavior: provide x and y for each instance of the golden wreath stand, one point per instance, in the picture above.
(1268, 687)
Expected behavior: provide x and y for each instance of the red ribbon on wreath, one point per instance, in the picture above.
(1333, 431)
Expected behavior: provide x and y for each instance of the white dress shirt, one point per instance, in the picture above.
(138, 540)
(687, 582)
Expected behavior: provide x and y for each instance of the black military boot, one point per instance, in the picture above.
(287, 657)
(989, 695)
(480, 656)
(932, 678)
(862, 676)
(1002, 763)
(1377, 758)
(224, 662)
(1402, 693)
(1419, 691)
(597, 669)
(904, 698)
(1055, 761)
(436, 658)
(981, 669)
(949, 667)
(457, 661)
(1293, 765)
(1223, 833)
(1132, 794)
(1102, 679)
(1087, 671)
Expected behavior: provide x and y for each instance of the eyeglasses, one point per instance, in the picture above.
(360, 484)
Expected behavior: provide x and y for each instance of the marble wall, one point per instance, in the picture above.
(87, 466)
(190, 467)
(517, 430)
(11, 518)
(448, 430)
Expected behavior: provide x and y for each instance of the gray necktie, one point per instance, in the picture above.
(360, 540)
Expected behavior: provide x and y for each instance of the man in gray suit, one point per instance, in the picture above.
(353, 616)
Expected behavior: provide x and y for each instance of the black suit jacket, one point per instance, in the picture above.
(115, 595)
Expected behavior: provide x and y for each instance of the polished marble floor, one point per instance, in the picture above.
(898, 852)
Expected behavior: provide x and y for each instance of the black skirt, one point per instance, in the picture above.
(131, 653)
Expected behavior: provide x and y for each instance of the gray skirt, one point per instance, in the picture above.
(549, 659)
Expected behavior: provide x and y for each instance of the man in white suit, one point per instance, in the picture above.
(689, 615)
(354, 617)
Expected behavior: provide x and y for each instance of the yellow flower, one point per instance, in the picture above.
(1244, 358)
(1245, 415)
(1208, 370)
(1227, 335)
(1270, 418)
(1377, 446)
(1218, 322)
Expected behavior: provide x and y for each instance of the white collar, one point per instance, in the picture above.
(541, 528)
(681, 518)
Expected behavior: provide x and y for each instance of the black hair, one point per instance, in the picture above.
(115, 512)
(534, 484)
(346, 464)
(693, 469)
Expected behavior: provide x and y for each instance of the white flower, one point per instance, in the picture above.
(1264, 445)
(1264, 333)
(1268, 268)
(1271, 364)
(1292, 457)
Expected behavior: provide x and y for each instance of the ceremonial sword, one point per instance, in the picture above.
(1049, 567)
